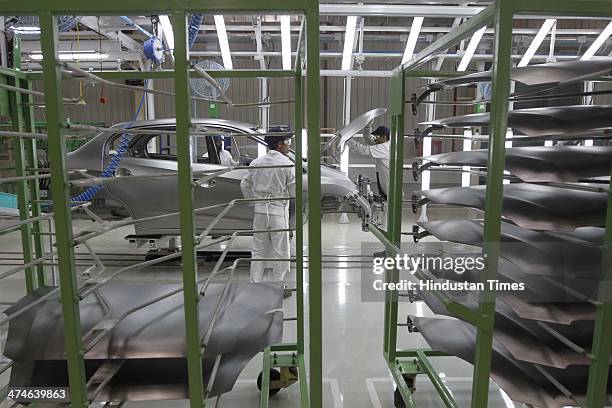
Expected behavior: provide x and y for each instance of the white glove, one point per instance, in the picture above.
(369, 127)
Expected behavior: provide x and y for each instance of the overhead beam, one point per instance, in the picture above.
(464, 30)
(398, 10)
(274, 28)
(127, 41)
(401, 10)
(146, 7)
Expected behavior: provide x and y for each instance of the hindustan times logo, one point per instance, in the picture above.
(405, 262)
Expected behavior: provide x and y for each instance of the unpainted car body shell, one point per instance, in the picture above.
(149, 197)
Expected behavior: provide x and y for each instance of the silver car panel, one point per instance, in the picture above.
(532, 206)
(564, 72)
(150, 341)
(534, 252)
(522, 381)
(537, 164)
(150, 197)
(548, 121)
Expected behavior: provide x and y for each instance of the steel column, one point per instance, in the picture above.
(493, 197)
(185, 196)
(299, 205)
(314, 204)
(395, 194)
(61, 205)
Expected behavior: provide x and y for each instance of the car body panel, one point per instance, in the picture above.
(156, 196)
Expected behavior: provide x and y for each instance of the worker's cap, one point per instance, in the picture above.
(217, 139)
(382, 131)
(272, 141)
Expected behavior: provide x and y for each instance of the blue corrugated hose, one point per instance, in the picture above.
(194, 27)
(121, 149)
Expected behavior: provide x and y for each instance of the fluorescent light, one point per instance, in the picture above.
(537, 41)
(167, 33)
(599, 41)
(467, 146)
(286, 41)
(413, 37)
(74, 56)
(223, 43)
(25, 30)
(471, 48)
(349, 42)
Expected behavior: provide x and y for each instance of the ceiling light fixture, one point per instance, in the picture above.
(413, 37)
(167, 33)
(349, 42)
(537, 41)
(223, 42)
(471, 49)
(286, 41)
(599, 41)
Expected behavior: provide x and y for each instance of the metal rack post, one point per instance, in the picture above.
(61, 204)
(406, 364)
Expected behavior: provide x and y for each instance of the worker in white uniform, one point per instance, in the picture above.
(271, 215)
(376, 144)
(225, 157)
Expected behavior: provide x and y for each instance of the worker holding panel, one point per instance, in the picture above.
(376, 144)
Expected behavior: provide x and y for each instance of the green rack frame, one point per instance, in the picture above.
(405, 365)
(278, 355)
(26, 164)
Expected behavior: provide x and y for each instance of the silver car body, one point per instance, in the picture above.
(156, 196)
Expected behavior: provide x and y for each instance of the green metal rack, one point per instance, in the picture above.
(28, 193)
(405, 365)
(283, 355)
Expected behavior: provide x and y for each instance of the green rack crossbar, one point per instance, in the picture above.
(282, 355)
(404, 365)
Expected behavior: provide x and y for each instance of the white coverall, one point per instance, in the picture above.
(381, 153)
(225, 158)
(270, 215)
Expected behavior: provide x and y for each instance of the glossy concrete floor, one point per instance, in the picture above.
(355, 374)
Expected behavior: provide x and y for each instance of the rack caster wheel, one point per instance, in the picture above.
(274, 376)
(398, 401)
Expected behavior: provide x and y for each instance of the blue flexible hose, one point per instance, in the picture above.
(194, 27)
(109, 170)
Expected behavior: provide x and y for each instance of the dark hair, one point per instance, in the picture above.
(273, 141)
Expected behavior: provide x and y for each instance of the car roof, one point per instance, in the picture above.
(246, 127)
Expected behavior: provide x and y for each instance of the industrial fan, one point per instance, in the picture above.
(30, 26)
(203, 87)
